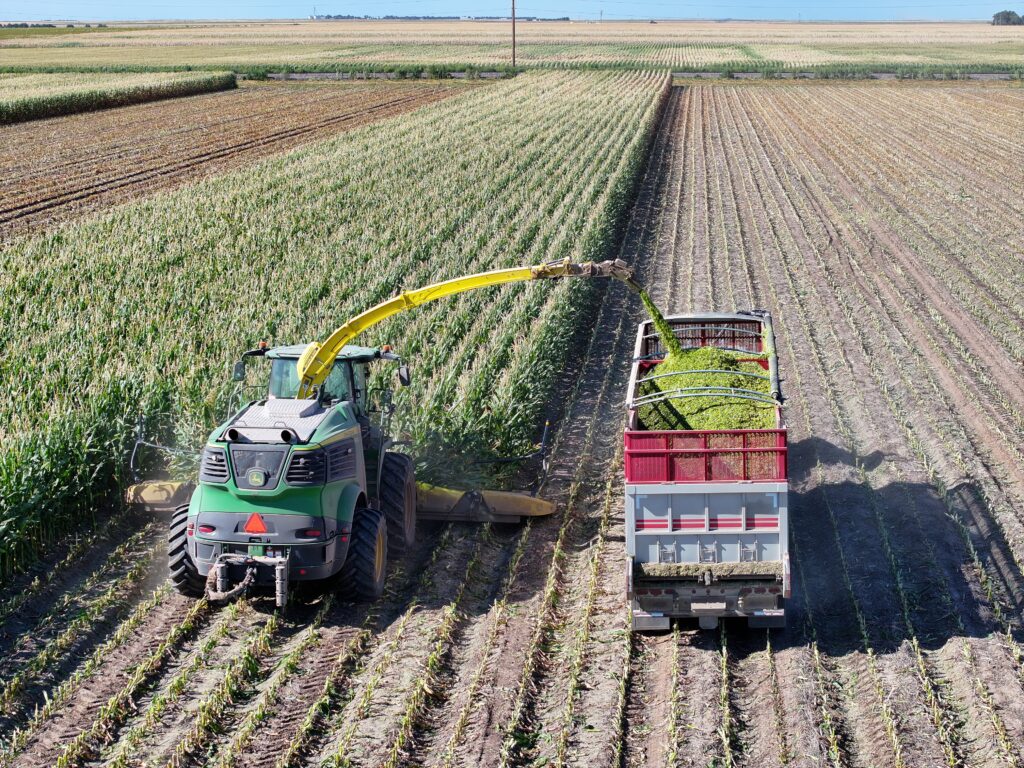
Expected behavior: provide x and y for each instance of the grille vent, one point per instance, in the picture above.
(341, 460)
(214, 467)
(306, 468)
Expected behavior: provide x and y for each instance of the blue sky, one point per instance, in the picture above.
(22, 10)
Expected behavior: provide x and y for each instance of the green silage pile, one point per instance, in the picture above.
(702, 412)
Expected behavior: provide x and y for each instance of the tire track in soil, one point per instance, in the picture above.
(837, 724)
(546, 719)
(438, 736)
(30, 623)
(227, 633)
(348, 633)
(573, 450)
(388, 733)
(700, 741)
(341, 742)
(597, 738)
(51, 654)
(59, 572)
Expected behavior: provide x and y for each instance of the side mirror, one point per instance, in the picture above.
(404, 377)
(238, 374)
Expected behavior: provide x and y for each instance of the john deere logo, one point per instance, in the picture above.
(257, 478)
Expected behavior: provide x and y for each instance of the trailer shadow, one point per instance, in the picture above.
(879, 559)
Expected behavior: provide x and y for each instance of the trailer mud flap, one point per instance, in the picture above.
(770, 618)
(649, 622)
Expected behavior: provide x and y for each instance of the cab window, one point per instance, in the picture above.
(284, 377)
(338, 385)
(284, 380)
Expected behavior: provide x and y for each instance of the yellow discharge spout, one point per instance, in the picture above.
(317, 360)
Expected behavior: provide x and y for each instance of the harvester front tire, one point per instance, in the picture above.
(362, 575)
(398, 500)
(180, 569)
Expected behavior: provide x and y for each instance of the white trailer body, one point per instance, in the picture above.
(707, 525)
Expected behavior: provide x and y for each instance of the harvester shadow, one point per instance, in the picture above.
(893, 558)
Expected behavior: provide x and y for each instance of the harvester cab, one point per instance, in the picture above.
(304, 484)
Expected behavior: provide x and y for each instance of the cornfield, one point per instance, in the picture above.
(528, 170)
(33, 96)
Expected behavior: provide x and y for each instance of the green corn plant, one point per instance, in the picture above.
(34, 96)
(66, 428)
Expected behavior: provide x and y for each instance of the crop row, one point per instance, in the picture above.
(931, 670)
(321, 233)
(34, 96)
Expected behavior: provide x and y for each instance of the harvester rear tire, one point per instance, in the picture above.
(362, 575)
(398, 500)
(180, 569)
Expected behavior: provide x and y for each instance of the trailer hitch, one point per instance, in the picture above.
(218, 583)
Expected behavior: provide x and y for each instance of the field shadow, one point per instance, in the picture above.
(894, 558)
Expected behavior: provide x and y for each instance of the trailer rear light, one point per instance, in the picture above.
(309, 533)
(206, 528)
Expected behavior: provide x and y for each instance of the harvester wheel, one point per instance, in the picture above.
(398, 500)
(362, 575)
(181, 570)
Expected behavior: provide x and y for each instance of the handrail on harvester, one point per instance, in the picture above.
(317, 359)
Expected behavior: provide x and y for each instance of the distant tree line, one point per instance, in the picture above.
(25, 25)
(1004, 18)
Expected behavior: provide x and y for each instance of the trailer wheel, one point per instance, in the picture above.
(180, 569)
(362, 575)
(398, 500)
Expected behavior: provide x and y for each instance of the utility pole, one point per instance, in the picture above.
(513, 34)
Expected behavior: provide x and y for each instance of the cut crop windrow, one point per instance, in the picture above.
(61, 695)
(118, 708)
(130, 740)
(71, 632)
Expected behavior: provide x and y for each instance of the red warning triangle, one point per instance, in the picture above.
(255, 524)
